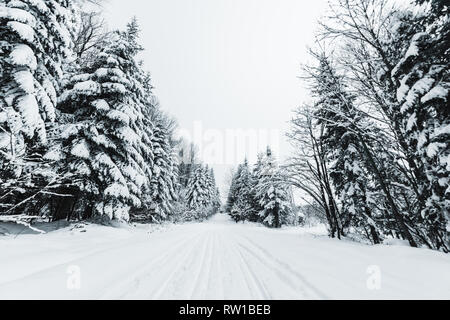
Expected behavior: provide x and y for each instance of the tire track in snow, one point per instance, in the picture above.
(275, 264)
(199, 272)
(209, 265)
(132, 283)
(244, 265)
(172, 276)
(232, 260)
(233, 272)
(72, 261)
(175, 284)
(218, 267)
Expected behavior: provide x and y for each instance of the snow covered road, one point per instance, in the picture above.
(214, 260)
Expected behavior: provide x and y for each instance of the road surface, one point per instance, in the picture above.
(217, 259)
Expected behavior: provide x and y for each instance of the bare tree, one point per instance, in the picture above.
(307, 170)
(368, 53)
(91, 35)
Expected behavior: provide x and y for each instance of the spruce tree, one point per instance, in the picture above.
(233, 192)
(215, 197)
(343, 130)
(198, 192)
(242, 209)
(423, 81)
(35, 43)
(272, 193)
(163, 182)
(104, 141)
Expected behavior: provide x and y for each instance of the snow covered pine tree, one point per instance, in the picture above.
(107, 141)
(242, 209)
(233, 192)
(272, 193)
(423, 80)
(164, 179)
(35, 43)
(344, 132)
(201, 194)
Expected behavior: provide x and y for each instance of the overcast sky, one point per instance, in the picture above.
(225, 64)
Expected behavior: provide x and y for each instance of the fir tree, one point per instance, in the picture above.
(272, 193)
(242, 209)
(198, 194)
(423, 80)
(104, 142)
(164, 177)
(215, 198)
(233, 192)
(343, 126)
(35, 43)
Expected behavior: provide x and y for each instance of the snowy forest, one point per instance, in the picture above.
(372, 147)
(82, 134)
(84, 137)
(101, 197)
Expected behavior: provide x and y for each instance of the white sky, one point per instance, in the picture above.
(228, 64)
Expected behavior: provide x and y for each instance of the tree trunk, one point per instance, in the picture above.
(398, 217)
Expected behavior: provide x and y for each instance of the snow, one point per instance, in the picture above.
(111, 87)
(24, 31)
(101, 105)
(17, 15)
(117, 190)
(419, 88)
(438, 92)
(413, 50)
(402, 90)
(217, 259)
(433, 149)
(411, 122)
(87, 87)
(22, 55)
(29, 109)
(442, 130)
(54, 154)
(25, 81)
(81, 150)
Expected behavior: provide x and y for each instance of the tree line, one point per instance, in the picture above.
(260, 194)
(82, 134)
(372, 144)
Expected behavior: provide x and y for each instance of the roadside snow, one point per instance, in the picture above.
(217, 259)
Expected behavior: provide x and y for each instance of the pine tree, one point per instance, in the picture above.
(35, 43)
(105, 142)
(164, 177)
(202, 195)
(343, 125)
(423, 80)
(215, 198)
(233, 192)
(272, 193)
(242, 209)
(198, 192)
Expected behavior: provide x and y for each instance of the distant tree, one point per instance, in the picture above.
(242, 209)
(272, 193)
(90, 35)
